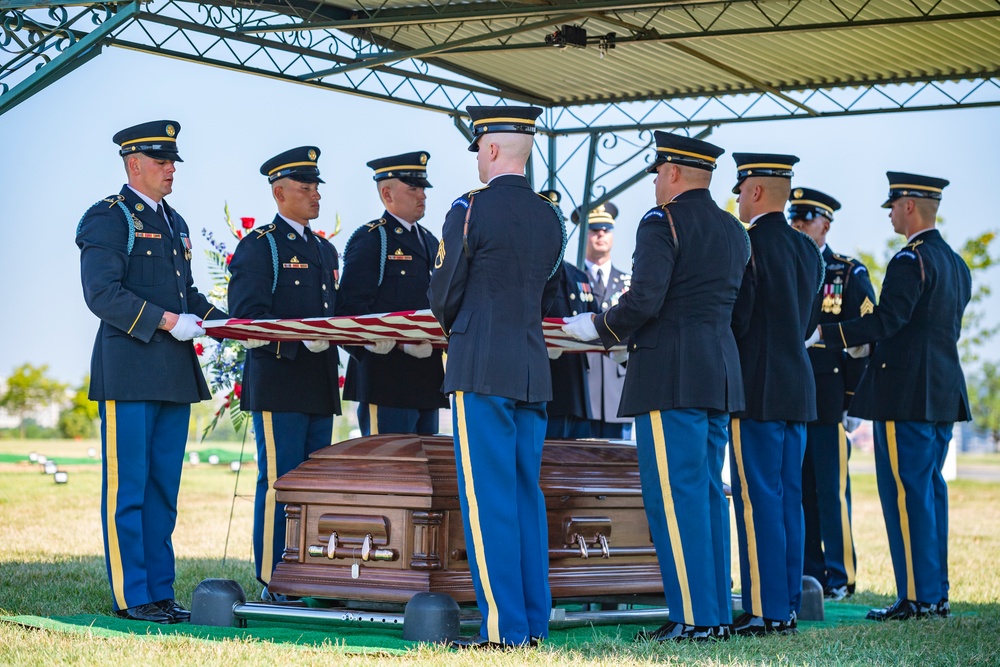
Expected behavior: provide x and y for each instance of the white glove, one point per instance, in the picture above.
(581, 327)
(859, 351)
(381, 346)
(186, 327)
(619, 356)
(316, 345)
(420, 350)
(851, 424)
(251, 343)
(553, 352)
(813, 339)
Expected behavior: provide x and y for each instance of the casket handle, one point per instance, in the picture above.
(331, 546)
(368, 553)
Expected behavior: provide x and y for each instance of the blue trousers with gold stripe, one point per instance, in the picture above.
(284, 440)
(143, 447)
(498, 457)
(826, 503)
(909, 456)
(680, 465)
(375, 419)
(766, 465)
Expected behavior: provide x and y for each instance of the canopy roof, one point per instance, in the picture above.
(681, 63)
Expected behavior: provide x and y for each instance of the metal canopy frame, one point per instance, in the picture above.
(419, 53)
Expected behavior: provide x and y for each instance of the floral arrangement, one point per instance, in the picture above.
(223, 361)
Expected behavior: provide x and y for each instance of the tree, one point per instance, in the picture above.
(984, 399)
(77, 421)
(28, 389)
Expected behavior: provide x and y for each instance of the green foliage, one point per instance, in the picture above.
(28, 389)
(984, 397)
(77, 421)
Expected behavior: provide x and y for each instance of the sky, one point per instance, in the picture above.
(57, 159)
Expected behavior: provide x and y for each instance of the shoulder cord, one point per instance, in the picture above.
(274, 261)
(128, 220)
(384, 246)
(562, 231)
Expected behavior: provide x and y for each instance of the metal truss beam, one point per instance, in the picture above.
(647, 36)
(79, 52)
(395, 56)
(393, 18)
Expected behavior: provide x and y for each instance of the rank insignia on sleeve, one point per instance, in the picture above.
(439, 260)
(867, 307)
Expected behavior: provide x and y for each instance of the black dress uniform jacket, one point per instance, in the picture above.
(914, 373)
(395, 380)
(130, 292)
(284, 376)
(774, 314)
(569, 371)
(495, 278)
(607, 377)
(837, 373)
(676, 316)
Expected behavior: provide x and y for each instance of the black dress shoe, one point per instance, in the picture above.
(748, 625)
(477, 641)
(145, 612)
(943, 608)
(837, 593)
(901, 610)
(679, 632)
(171, 608)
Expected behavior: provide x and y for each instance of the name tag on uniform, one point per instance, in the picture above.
(147, 235)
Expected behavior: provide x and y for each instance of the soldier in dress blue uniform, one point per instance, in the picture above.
(683, 380)
(914, 390)
(387, 268)
(498, 372)
(773, 316)
(569, 410)
(606, 377)
(291, 388)
(826, 486)
(135, 262)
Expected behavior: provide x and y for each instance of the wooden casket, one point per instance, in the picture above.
(377, 519)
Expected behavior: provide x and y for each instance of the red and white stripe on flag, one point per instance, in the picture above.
(410, 326)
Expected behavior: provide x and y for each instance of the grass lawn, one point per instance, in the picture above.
(51, 564)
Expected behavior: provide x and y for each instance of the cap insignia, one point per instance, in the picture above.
(171, 131)
(798, 193)
(423, 159)
(312, 154)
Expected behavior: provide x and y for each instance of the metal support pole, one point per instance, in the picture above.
(585, 205)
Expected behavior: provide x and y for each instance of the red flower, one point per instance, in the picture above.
(319, 232)
(239, 234)
(247, 223)
(229, 258)
(340, 382)
(237, 390)
(199, 349)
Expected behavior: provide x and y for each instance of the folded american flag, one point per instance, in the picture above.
(408, 326)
